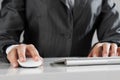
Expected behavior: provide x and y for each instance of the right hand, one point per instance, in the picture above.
(21, 52)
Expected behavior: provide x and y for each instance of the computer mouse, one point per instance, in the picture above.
(29, 63)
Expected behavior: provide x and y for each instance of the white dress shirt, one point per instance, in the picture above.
(70, 3)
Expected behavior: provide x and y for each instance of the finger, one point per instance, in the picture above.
(96, 52)
(33, 51)
(118, 51)
(113, 51)
(21, 50)
(106, 49)
(90, 54)
(12, 57)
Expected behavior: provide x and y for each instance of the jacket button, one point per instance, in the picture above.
(68, 36)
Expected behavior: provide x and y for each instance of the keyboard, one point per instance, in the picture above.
(89, 61)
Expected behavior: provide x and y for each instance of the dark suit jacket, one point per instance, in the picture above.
(55, 30)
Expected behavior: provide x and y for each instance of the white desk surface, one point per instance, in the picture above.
(55, 72)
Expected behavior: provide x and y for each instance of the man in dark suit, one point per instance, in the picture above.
(58, 28)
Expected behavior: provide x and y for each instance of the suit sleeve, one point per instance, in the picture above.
(11, 23)
(108, 25)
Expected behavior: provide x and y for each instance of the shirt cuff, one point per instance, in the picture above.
(10, 48)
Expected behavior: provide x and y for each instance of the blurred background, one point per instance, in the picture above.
(95, 36)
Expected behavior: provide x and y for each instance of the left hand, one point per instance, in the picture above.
(104, 50)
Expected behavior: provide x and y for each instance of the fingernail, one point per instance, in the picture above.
(94, 56)
(113, 54)
(22, 59)
(36, 58)
(105, 55)
(14, 65)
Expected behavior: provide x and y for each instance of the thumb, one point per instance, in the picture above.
(12, 57)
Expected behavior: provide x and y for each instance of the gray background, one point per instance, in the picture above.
(95, 36)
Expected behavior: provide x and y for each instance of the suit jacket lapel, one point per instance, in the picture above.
(64, 2)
